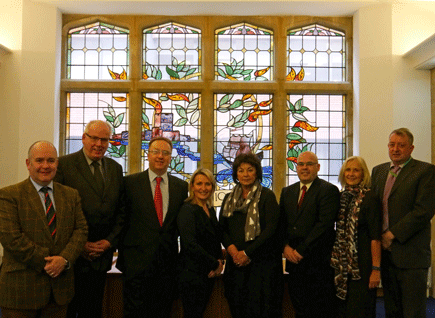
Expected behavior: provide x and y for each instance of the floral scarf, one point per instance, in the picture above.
(235, 202)
(344, 253)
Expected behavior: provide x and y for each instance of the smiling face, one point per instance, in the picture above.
(96, 140)
(202, 188)
(353, 173)
(246, 174)
(399, 149)
(159, 156)
(42, 163)
(307, 167)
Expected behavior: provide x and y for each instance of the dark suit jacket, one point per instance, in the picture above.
(26, 239)
(104, 213)
(200, 238)
(148, 248)
(411, 206)
(311, 229)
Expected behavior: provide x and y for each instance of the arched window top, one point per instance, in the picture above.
(98, 51)
(244, 52)
(98, 28)
(171, 51)
(315, 30)
(316, 54)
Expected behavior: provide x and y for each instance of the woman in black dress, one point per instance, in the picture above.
(249, 217)
(356, 255)
(201, 258)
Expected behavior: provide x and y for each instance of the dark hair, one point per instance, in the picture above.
(404, 132)
(252, 160)
(160, 138)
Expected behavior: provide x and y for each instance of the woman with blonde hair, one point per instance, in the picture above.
(201, 258)
(356, 255)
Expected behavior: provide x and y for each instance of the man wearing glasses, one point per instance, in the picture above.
(149, 248)
(99, 181)
(309, 208)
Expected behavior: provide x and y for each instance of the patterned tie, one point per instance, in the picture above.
(304, 190)
(158, 201)
(49, 212)
(392, 175)
(99, 181)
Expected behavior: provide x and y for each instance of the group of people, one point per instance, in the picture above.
(60, 227)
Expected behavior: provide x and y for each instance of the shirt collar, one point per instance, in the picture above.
(38, 187)
(90, 161)
(402, 165)
(308, 185)
(153, 175)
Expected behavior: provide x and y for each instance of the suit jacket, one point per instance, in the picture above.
(104, 213)
(148, 248)
(411, 206)
(310, 230)
(200, 238)
(26, 239)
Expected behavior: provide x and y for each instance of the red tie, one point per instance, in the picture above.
(304, 190)
(49, 212)
(158, 201)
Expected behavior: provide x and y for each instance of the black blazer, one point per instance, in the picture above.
(200, 238)
(311, 229)
(104, 213)
(148, 248)
(411, 206)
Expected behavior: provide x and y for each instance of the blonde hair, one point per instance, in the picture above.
(207, 173)
(366, 180)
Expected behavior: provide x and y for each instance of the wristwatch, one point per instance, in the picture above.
(376, 268)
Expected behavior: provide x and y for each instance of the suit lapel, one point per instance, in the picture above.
(36, 205)
(147, 198)
(407, 169)
(293, 203)
(383, 175)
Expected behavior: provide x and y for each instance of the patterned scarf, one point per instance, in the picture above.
(235, 202)
(344, 253)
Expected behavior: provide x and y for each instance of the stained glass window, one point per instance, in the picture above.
(110, 107)
(176, 116)
(171, 51)
(316, 53)
(244, 52)
(243, 123)
(316, 123)
(98, 51)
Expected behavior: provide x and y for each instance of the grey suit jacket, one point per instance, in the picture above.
(148, 248)
(411, 206)
(27, 241)
(104, 213)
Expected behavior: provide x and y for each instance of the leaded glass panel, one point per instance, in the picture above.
(244, 52)
(176, 116)
(110, 107)
(243, 123)
(316, 123)
(98, 51)
(171, 51)
(316, 53)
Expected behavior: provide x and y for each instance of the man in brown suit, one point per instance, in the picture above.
(43, 231)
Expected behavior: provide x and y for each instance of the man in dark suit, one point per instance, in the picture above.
(149, 249)
(43, 231)
(310, 208)
(99, 181)
(407, 189)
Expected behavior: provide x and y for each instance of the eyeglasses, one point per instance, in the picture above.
(95, 139)
(156, 152)
(308, 164)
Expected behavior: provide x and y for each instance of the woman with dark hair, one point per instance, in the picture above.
(356, 256)
(201, 258)
(249, 219)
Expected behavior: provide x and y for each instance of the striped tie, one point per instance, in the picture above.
(49, 212)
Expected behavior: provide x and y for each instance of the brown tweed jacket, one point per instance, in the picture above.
(26, 240)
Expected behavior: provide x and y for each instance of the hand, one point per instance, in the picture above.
(94, 250)
(217, 271)
(54, 265)
(241, 259)
(375, 279)
(292, 255)
(387, 240)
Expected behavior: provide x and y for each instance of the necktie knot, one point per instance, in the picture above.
(44, 190)
(158, 180)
